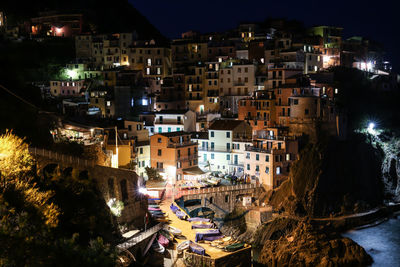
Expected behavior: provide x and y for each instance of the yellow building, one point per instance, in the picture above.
(122, 154)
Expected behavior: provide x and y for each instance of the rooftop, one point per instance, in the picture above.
(199, 135)
(225, 124)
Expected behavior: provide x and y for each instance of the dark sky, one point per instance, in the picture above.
(378, 20)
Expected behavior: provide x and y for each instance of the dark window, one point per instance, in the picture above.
(159, 152)
(124, 190)
(111, 190)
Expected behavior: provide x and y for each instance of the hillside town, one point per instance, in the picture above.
(193, 127)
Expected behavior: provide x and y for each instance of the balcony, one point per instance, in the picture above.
(191, 157)
(169, 122)
(236, 164)
(238, 83)
(215, 149)
(182, 144)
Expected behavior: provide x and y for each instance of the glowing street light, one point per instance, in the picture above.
(72, 74)
(371, 128)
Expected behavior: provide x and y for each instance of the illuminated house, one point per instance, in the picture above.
(211, 88)
(258, 110)
(101, 101)
(154, 60)
(174, 120)
(122, 154)
(172, 154)
(269, 159)
(194, 88)
(223, 148)
(67, 88)
(236, 81)
(142, 149)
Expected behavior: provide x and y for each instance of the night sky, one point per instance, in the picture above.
(378, 20)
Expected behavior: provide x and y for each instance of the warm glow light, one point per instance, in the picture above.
(143, 190)
(58, 30)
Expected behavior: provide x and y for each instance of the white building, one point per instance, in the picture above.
(142, 158)
(223, 148)
(175, 120)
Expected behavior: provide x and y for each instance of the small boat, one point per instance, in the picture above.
(157, 247)
(167, 235)
(172, 230)
(183, 245)
(180, 214)
(201, 224)
(198, 219)
(163, 241)
(234, 247)
(196, 248)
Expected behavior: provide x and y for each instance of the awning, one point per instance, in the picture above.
(193, 171)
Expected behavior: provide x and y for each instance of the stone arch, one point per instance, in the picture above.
(204, 212)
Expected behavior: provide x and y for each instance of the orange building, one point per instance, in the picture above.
(259, 110)
(173, 153)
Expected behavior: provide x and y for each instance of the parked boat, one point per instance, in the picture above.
(234, 247)
(172, 230)
(157, 247)
(163, 241)
(183, 245)
(196, 248)
(167, 235)
(201, 224)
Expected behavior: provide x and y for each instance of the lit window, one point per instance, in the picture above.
(149, 62)
(158, 70)
(336, 91)
(278, 170)
(287, 157)
(108, 103)
(148, 71)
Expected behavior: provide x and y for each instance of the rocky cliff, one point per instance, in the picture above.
(330, 178)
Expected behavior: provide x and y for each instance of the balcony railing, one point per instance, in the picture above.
(187, 143)
(191, 157)
(237, 163)
(168, 122)
(215, 149)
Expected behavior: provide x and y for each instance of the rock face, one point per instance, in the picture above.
(333, 177)
(306, 246)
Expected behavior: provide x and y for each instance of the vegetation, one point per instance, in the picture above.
(55, 219)
(153, 174)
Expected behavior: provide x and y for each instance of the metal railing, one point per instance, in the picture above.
(208, 190)
(142, 236)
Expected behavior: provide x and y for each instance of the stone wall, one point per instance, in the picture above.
(121, 184)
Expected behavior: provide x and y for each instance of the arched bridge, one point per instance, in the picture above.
(215, 201)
